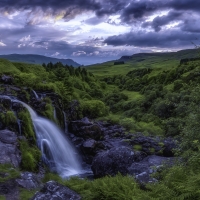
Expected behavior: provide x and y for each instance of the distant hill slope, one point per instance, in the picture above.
(37, 59)
(142, 60)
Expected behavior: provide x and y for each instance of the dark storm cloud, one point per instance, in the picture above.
(26, 4)
(109, 7)
(139, 9)
(191, 25)
(129, 11)
(69, 8)
(163, 20)
(185, 4)
(166, 39)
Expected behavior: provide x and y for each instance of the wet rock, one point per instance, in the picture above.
(85, 129)
(113, 161)
(143, 169)
(9, 189)
(77, 141)
(154, 146)
(73, 111)
(28, 180)
(9, 153)
(16, 89)
(89, 146)
(6, 79)
(168, 148)
(53, 190)
(17, 106)
(6, 102)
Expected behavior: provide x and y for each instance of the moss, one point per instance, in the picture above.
(2, 197)
(49, 112)
(30, 156)
(152, 150)
(161, 144)
(27, 125)
(26, 194)
(7, 172)
(10, 118)
(51, 176)
(137, 147)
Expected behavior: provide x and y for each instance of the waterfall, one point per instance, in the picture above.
(65, 121)
(54, 113)
(19, 126)
(56, 149)
(36, 95)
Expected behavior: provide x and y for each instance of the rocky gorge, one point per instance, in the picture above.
(104, 148)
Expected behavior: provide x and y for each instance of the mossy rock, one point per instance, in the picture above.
(30, 156)
(137, 147)
(7, 172)
(27, 125)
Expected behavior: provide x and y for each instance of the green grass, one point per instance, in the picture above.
(10, 171)
(26, 194)
(7, 67)
(160, 61)
(2, 197)
(132, 95)
(108, 69)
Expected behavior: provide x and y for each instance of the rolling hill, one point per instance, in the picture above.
(38, 59)
(142, 60)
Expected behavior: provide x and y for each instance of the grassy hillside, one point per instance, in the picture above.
(142, 60)
(7, 67)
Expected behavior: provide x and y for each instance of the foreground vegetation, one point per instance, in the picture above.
(155, 101)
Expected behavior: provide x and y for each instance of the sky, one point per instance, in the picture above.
(95, 31)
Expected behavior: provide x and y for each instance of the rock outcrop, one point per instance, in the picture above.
(9, 152)
(53, 190)
(113, 161)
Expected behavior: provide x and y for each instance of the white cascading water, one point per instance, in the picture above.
(56, 149)
(36, 95)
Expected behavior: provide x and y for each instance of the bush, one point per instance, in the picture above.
(93, 108)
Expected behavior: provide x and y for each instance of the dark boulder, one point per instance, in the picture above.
(9, 189)
(28, 180)
(9, 153)
(154, 145)
(53, 190)
(113, 161)
(6, 102)
(168, 148)
(142, 170)
(6, 79)
(89, 146)
(85, 129)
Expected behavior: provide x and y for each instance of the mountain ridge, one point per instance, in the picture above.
(38, 59)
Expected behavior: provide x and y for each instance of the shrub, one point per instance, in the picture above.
(106, 188)
(94, 108)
